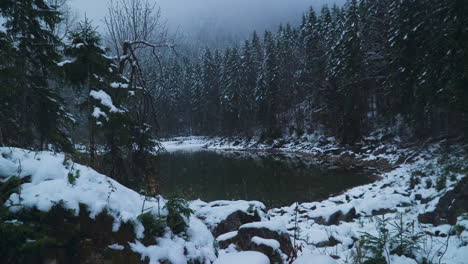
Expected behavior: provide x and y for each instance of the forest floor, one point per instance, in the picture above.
(380, 219)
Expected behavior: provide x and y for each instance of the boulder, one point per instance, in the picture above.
(449, 207)
(331, 242)
(267, 237)
(234, 221)
(227, 239)
(227, 216)
(337, 217)
(383, 211)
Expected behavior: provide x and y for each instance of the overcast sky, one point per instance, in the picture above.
(217, 17)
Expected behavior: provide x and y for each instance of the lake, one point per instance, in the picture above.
(274, 179)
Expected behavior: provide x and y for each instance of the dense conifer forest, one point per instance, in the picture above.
(344, 136)
(396, 66)
(399, 66)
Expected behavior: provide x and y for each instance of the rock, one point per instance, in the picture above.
(272, 252)
(426, 200)
(337, 217)
(234, 221)
(331, 242)
(225, 240)
(383, 211)
(418, 197)
(404, 204)
(450, 206)
(227, 216)
(273, 243)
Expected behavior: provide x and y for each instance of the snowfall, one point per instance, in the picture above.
(49, 183)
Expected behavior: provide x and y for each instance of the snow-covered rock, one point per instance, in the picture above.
(228, 216)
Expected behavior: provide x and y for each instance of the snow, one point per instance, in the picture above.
(215, 212)
(62, 63)
(105, 100)
(274, 244)
(314, 259)
(200, 240)
(117, 85)
(49, 185)
(78, 45)
(2, 21)
(97, 112)
(166, 249)
(116, 247)
(178, 251)
(246, 257)
(275, 226)
(402, 260)
(184, 144)
(226, 236)
(7, 167)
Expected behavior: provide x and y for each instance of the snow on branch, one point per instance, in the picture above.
(105, 100)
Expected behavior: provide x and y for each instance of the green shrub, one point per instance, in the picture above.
(154, 225)
(428, 183)
(71, 178)
(418, 173)
(73, 175)
(404, 240)
(178, 212)
(441, 181)
(9, 187)
(453, 177)
(13, 238)
(414, 180)
(376, 244)
(399, 239)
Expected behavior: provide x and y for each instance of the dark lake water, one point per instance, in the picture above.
(274, 179)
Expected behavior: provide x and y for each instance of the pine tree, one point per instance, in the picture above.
(92, 72)
(248, 82)
(375, 19)
(210, 82)
(231, 90)
(170, 108)
(266, 91)
(348, 74)
(7, 92)
(41, 117)
(197, 98)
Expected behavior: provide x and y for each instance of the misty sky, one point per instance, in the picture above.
(217, 17)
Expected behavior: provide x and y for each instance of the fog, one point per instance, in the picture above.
(216, 22)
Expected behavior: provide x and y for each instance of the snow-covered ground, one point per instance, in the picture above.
(316, 145)
(53, 178)
(390, 198)
(184, 143)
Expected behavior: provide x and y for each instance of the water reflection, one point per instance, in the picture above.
(275, 179)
